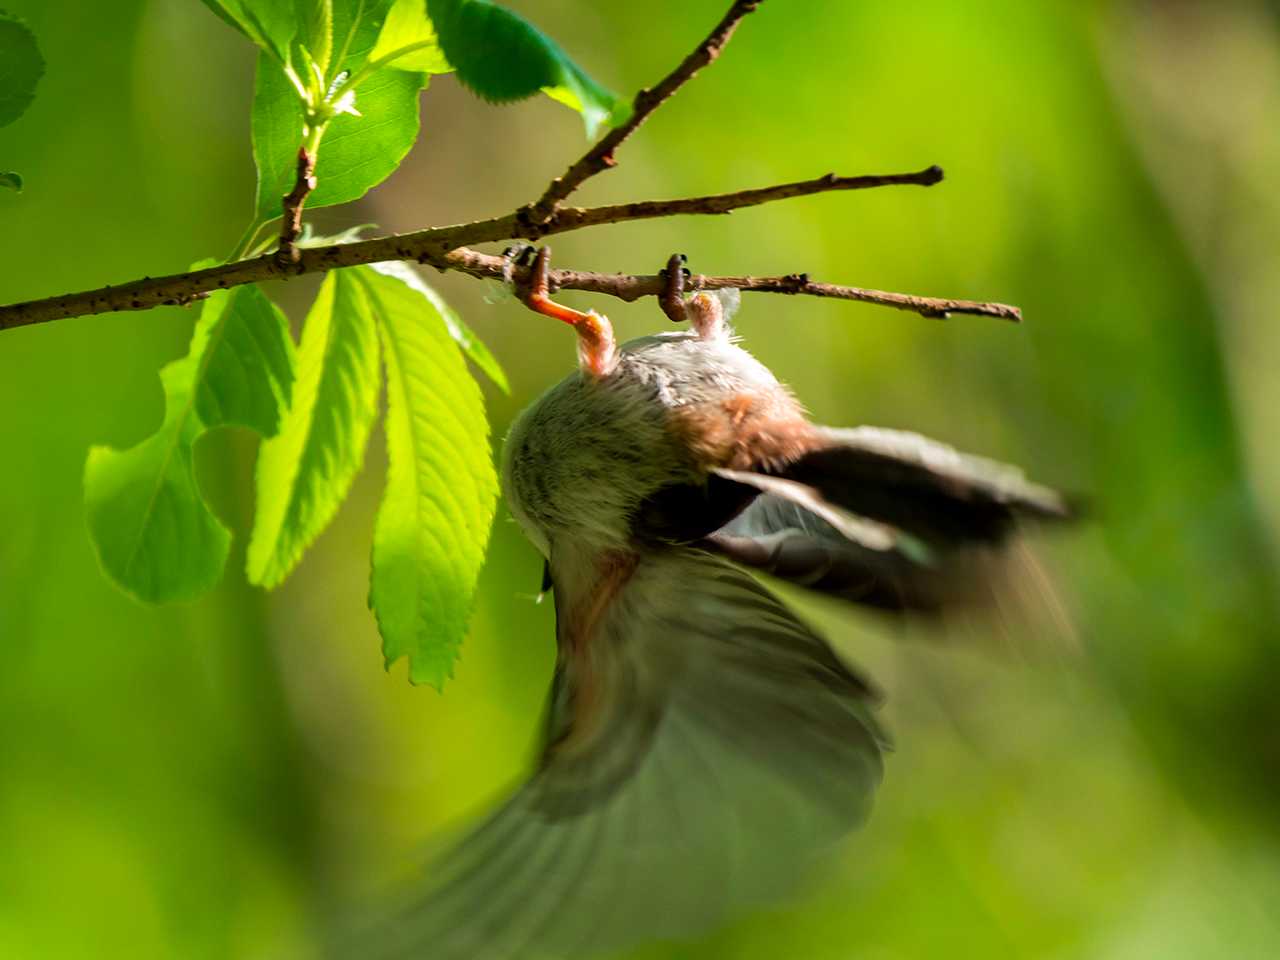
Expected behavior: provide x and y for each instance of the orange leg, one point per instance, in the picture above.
(597, 349)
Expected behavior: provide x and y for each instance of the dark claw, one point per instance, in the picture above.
(672, 297)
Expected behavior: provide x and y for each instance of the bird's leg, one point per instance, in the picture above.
(706, 315)
(703, 310)
(597, 349)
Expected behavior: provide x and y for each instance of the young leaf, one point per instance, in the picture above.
(434, 521)
(271, 24)
(408, 29)
(21, 67)
(357, 153)
(315, 31)
(462, 335)
(305, 470)
(155, 536)
(501, 57)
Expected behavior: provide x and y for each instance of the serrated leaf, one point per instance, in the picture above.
(407, 26)
(154, 534)
(11, 179)
(306, 469)
(434, 520)
(501, 57)
(271, 24)
(357, 153)
(462, 335)
(21, 67)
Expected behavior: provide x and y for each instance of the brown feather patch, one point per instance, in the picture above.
(744, 431)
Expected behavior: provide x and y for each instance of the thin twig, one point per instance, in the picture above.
(291, 205)
(424, 246)
(600, 157)
(630, 287)
(572, 218)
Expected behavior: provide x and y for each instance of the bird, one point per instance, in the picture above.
(703, 745)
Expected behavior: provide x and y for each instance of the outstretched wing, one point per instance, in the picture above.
(891, 520)
(704, 744)
(921, 486)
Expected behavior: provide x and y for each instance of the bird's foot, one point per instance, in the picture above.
(672, 297)
(597, 348)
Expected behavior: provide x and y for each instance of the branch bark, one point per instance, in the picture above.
(600, 157)
(630, 287)
(291, 207)
(424, 246)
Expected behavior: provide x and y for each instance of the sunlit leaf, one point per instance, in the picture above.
(407, 26)
(435, 516)
(21, 67)
(271, 24)
(462, 335)
(502, 57)
(356, 26)
(315, 31)
(304, 471)
(358, 152)
(155, 535)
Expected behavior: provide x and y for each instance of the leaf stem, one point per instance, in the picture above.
(357, 78)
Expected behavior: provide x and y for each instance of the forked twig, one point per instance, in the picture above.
(448, 247)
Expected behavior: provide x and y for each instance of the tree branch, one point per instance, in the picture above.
(630, 287)
(447, 248)
(291, 206)
(600, 157)
(424, 246)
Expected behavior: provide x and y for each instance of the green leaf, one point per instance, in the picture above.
(357, 153)
(305, 470)
(310, 238)
(407, 28)
(11, 179)
(434, 521)
(356, 26)
(155, 536)
(462, 335)
(21, 68)
(502, 57)
(271, 24)
(315, 31)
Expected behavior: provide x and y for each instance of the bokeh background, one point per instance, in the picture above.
(208, 780)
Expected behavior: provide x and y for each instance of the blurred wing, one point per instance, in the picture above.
(815, 545)
(704, 745)
(896, 521)
(922, 487)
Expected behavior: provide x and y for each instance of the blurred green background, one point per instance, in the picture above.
(207, 780)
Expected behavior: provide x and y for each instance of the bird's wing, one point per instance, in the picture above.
(921, 486)
(703, 745)
(790, 532)
(893, 520)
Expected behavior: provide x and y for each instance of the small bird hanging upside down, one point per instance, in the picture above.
(703, 744)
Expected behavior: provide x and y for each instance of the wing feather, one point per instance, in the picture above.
(751, 748)
(892, 520)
